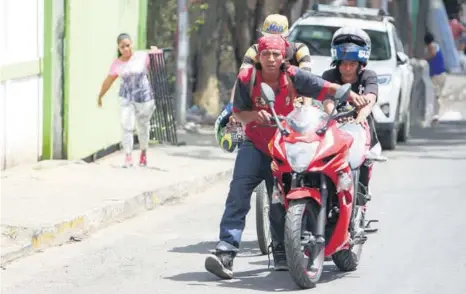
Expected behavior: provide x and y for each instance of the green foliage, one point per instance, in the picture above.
(197, 11)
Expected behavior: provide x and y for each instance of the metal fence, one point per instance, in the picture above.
(162, 124)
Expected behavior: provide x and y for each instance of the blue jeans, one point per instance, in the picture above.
(251, 168)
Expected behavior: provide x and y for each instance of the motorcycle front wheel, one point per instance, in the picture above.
(305, 263)
(262, 218)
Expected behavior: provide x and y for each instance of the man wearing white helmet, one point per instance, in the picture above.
(350, 50)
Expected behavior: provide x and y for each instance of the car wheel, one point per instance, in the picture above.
(388, 139)
(405, 129)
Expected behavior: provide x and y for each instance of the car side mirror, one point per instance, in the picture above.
(402, 58)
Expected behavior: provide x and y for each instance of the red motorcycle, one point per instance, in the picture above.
(315, 163)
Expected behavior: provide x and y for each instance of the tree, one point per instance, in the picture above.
(207, 88)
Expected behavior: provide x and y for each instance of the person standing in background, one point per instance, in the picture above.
(136, 97)
(437, 71)
(458, 30)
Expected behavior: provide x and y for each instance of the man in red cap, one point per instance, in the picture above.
(252, 164)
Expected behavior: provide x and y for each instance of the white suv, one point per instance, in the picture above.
(395, 74)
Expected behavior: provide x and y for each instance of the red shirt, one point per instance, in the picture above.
(304, 83)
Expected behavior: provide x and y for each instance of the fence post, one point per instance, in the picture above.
(182, 58)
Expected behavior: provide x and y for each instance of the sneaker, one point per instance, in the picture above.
(143, 159)
(128, 161)
(221, 264)
(279, 257)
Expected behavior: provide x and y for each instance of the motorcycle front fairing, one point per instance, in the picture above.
(303, 151)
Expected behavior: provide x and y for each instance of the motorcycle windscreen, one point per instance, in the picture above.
(303, 120)
(358, 148)
(306, 118)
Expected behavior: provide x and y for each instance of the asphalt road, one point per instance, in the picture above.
(418, 196)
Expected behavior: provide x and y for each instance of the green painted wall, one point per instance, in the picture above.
(47, 82)
(91, 31)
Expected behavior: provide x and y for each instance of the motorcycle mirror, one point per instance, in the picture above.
(342, 93)
(267, 93)
(269, 96)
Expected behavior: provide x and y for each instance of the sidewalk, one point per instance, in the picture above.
(54, 202)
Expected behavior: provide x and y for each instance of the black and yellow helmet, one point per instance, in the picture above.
(229, 135)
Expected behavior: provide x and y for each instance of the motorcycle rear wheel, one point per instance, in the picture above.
(262, 218)
(302, 216)
(348, 259)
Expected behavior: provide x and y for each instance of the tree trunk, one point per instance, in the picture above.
(207, 90)
(421, 28)
(287, 7)
(242, 32)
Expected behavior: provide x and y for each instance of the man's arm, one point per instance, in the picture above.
(303, 56)
(371, 87)
(250, 58)
(310, 85)
(328, 103)
(307, 84)
(431, 51)
(242, 103)
(371, 90)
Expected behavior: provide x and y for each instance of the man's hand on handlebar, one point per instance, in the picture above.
(263, 117)
(358, 100)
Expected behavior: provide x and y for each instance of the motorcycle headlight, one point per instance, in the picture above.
(300, 154)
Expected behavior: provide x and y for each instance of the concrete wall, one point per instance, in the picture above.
(21, 32)
(91, 30)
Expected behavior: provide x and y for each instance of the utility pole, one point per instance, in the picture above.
(182, 55)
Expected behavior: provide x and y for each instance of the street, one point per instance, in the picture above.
(418, 197)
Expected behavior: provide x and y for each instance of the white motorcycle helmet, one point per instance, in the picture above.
(350, 43)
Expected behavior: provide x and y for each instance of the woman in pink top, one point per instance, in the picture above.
(136, 97)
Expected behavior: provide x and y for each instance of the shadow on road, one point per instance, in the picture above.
(264, 279)
(255, 279)
(248, 248)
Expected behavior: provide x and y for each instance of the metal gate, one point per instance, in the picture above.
(162, 123)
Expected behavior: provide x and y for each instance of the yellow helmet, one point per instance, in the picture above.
(275, 24)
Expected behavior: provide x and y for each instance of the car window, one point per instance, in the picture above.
(318, 39)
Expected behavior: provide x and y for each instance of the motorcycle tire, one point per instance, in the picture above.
(348, 260)
(297, 259)
(262, 218)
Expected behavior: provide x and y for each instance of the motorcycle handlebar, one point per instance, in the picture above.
(345, 114)
(270, 125)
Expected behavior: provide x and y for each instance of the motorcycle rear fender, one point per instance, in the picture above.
(304, 192)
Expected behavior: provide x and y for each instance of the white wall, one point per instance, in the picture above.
(21, 98)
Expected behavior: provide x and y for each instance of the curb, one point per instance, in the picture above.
(88, 223)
